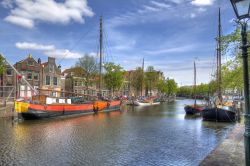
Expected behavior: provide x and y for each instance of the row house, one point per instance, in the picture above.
(50, 78)
(129, 90)
(75, 83)
(45, 78)
(30, 69)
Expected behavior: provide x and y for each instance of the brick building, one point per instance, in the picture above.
(50, 81)
(29, 69)
(75, 82)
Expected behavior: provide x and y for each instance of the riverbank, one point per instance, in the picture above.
(230, 151)
(7, 111)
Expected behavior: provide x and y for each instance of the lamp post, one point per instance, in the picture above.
(242, 11)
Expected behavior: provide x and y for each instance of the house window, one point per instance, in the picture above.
(30, 63)
(47, 80)
(9, 72)
(76, 83)
(55, 81)
(29, 76)
(51, 68)
(36, 76)
(22, 91)
(54, 94)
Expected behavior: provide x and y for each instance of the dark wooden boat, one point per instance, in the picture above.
(193, 109)
(223, 114)
(219, 112)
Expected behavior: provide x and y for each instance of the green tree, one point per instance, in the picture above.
(171, 87)
(137, 80)
(232, 70)
(113, 77)
(184, 91)
(2, 64)
(151, 79)
(89, 65)
(162, 86)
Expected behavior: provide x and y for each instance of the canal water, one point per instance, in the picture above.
(157, 135)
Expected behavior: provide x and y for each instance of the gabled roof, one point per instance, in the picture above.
(78, 71)
(29, 57)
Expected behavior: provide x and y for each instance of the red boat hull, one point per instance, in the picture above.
(37, 111)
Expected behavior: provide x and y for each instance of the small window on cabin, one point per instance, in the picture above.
(9, 72)
(55, 81)
(29, 76)
(47, 80)
(36, 77)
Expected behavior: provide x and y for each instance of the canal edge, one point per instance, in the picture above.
(230, 151)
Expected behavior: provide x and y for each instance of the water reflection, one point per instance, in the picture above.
(157, 135)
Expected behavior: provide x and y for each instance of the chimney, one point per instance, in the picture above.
(39, 61)
(51, 60)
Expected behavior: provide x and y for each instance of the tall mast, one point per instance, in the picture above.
(142, 76)
(100, 67)
(219, 59)
(194, 84)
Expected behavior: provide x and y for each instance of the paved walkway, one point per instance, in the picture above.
(229, 152)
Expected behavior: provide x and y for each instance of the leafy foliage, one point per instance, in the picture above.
(137, 79)
(171, 87)
(232, 71)
(2, 64)
(89, 66)
(151, 79)
(114, 76)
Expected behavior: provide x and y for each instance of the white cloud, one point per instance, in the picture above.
(202, 2)
(34, 46)
(49, 50)
(7, 3)
(28, 13)
(21, 21)
(192, 15)
(152, 9)
(201, 9)
(184, 48)
(63, 54)
(159, 4)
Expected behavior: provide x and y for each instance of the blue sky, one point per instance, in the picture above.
(169, 34)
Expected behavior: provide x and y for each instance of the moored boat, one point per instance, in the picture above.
(193, 109)
(28, 110)
(220, 114)
(145, 103)
(220, 111)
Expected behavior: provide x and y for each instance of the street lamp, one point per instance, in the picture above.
(242, 11)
